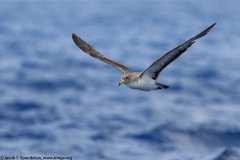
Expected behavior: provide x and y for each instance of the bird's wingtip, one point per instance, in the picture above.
(213, 24)
(73, 34)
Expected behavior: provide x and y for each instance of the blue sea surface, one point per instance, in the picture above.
(55, 100)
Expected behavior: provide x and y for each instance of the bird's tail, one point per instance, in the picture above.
(162, 86)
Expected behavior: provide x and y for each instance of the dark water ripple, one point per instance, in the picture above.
(229, 154)
(28, 113)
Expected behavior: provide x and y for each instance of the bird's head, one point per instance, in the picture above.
(126, 78)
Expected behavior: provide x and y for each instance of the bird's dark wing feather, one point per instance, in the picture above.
(92, 52)
(156, 67)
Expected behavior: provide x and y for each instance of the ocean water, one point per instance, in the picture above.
(56, 100)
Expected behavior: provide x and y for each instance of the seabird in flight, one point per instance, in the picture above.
(145, 80)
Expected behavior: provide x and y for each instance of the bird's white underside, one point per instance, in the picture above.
(145, 83)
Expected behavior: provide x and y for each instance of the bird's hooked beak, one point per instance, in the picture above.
(121, 82)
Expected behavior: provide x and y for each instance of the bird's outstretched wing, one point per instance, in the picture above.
(156, 67)
(92, 52)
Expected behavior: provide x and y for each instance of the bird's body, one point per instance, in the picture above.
(145, 83)
(145, 80)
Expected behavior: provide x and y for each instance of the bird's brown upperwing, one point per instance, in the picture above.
(92, 52)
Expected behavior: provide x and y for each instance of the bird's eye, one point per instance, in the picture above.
(127, 77)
